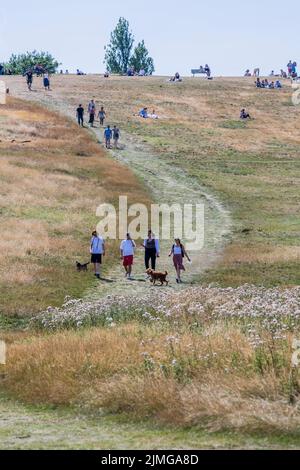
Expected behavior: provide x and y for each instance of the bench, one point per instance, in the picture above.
(198, 72)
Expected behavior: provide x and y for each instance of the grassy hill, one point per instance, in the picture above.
(53, 178)
(253, 167)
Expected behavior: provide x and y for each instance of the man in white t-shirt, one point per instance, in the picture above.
(97, 251)
(127, 249)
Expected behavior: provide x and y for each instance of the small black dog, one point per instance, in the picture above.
(82, 267)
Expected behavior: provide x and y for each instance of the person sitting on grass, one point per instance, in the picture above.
(144, 113)
(258, 83)
(272, 85)
(244, 114)
(154, 115)
(278, 84)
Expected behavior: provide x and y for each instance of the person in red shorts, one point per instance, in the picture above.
(127, 249)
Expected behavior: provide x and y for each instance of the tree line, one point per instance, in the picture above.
(120, 55)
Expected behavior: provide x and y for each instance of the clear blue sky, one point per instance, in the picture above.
(230, 35)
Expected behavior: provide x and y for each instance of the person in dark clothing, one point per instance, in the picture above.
(244, 114)
(152, 250)
(80, 114)
(29, 79)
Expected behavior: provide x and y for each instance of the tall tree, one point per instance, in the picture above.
(141, 59)
(118, 51)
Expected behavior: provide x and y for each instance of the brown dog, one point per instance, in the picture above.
(155, 276)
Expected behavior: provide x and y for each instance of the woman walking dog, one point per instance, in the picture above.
(179, 253)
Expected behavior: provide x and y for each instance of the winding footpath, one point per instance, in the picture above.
(166, 183)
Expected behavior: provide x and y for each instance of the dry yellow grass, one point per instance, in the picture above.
(210, 379)
(50, 189)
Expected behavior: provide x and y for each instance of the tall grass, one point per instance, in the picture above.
(183, 366)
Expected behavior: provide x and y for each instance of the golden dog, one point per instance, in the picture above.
(156, 276)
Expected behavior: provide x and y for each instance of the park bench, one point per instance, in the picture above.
(200, 71)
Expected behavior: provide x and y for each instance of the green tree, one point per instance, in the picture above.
(141, 59)
(18, 64)
(118, 51)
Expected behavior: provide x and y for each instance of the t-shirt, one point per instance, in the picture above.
(80, 111)
(116, 133)
(97, 245)
(108, 133)
(127, 247)
(177, 250)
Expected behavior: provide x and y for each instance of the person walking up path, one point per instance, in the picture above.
(108, 136)
(116, 136)
(80, 115)
(92, 112)
(178, 251)
(29, 79)
(46, 81)
(102, 116)
(127, 250)
(97, 252)
(152, 250)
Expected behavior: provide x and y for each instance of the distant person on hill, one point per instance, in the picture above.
(154, 115)
(92, 112)
(290, 68)
(102, 116)
(278, 84)
(179, 253)
(247, 73)
(106, 75)
(97, 249)
(116, 136)
(144, 113)
(244, 114)
(283, 74)
(127, 250)
(207, 70)
(80, 114)
(258, 83)
(46, 81)
(108, 136)
(29, 79)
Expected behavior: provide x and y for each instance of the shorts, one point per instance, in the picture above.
(96, 259)
(128, 261)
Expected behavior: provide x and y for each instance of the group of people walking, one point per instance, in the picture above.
(109, 133)
(29, 79)
(128, 248)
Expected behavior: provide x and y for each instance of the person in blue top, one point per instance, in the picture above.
(107, 136)
(143, 113)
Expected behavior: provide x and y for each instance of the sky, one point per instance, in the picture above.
(229, 35)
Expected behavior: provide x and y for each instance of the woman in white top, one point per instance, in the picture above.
(178, 251)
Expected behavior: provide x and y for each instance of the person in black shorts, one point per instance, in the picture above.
(29, 79)
(80, 114)
(97, 249)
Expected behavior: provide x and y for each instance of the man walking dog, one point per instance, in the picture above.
(97, 252)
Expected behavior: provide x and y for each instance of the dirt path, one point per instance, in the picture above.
(33, 428)
(167, 183)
